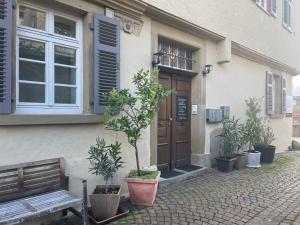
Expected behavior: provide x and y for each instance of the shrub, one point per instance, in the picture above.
(105, 160)
(232, 137)
(136, 110)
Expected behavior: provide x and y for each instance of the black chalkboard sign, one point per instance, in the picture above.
(182, 108)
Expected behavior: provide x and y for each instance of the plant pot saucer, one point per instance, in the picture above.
(121, 213)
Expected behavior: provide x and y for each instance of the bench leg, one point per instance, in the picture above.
(65, 212)
(84, 204)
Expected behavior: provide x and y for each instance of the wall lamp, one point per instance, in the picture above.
(157, 56)
(207, 69)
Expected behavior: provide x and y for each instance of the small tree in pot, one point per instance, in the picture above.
(264, 145)
(137, 112)
(232, 139)
(105, 161)
(252, 131)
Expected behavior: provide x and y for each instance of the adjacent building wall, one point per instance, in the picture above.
(243, 22)
(230, 84)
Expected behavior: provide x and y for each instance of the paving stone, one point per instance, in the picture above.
(266, 196)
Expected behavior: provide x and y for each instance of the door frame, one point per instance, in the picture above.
(172, 140)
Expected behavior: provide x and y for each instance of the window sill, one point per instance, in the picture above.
(15, 120)
(276, 116)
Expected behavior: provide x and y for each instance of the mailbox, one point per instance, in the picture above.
(214, 115)
(225, 112)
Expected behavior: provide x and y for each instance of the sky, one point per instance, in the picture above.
(296, 84)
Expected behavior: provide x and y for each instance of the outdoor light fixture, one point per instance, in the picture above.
(207, 69)
(157, 55)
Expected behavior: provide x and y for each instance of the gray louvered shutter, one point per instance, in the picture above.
(283, 95)
(106, 58)
(269, 93)
(5, 55)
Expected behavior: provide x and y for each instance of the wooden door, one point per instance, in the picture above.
(164, 144)
(173, 128)
(181, 123)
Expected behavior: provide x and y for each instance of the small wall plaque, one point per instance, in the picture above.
(194, 109)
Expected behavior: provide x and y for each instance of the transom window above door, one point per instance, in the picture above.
(175, 54)
(48, 62)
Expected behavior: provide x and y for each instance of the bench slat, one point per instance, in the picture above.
(32, 207)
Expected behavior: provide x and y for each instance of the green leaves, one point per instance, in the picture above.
(105, 159)
(136, 110)
(232, 137)
(257, 129)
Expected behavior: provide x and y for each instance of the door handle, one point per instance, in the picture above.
(169, 120)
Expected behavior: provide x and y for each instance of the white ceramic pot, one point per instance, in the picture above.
(253, 159)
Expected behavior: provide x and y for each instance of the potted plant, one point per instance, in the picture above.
(264, 145)
(252, 131)
(136, 113)
(105, 161)
(231, 143)
(240, 162)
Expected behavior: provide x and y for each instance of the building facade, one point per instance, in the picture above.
(58, 55)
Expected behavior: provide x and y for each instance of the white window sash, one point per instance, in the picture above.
(50, 107)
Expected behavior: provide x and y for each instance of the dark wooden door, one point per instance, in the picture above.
(174, 129)
(164, 144)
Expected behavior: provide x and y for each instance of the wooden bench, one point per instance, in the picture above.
(34, 189)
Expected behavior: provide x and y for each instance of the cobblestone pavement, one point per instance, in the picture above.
(269, 195)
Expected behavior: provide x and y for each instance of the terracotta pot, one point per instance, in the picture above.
(105, 205)
(143, 191)
(240, 162)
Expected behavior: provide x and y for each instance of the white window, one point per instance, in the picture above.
(263, 4)
(287, 14)
(273, 7)
(48, 62)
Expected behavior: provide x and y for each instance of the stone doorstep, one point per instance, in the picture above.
(186, 175)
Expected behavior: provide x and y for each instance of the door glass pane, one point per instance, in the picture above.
(65, 95)
(65, 75)
(32, 18)
(64, 26)
(65, 55)
(31, 49)
(31, 93)
(31, 71)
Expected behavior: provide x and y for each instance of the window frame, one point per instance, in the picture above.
(285, 25)
(274, 13)
(263, 7)
(51, 39)
(268, 9)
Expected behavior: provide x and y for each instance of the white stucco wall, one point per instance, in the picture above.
(243, 22)
(30, 143)
(230, 84)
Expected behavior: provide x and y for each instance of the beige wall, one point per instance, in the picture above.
(230, 84)
(242, 22)
(29, 143)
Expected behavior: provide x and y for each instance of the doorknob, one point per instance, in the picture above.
(170, 120)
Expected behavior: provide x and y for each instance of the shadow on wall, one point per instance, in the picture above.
(215, 145)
